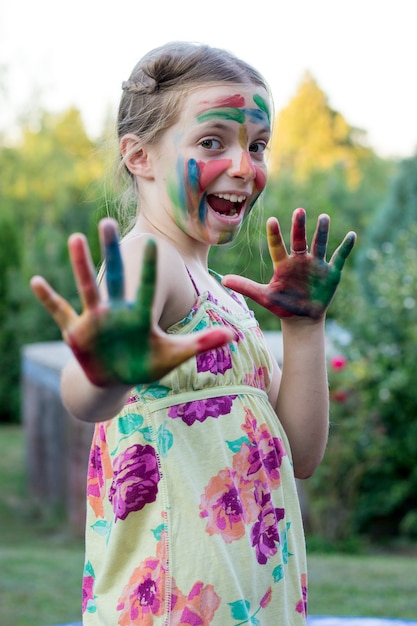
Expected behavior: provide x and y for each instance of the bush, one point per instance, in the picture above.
(368, 480)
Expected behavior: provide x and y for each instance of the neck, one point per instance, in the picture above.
(194, 253)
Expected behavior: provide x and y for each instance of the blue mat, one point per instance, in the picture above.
(336, 621)
(356, 621)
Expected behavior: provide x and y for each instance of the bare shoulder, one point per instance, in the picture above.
(174, 295)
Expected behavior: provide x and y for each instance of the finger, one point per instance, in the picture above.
(276, 244)
(62, 312)
(298, 232)
(146, 290)
(342, 252)
(321, 237)
(109, 238)
(84, 272)
(175, 349)
(245, 286)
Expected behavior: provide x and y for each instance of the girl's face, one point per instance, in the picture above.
(211, 163)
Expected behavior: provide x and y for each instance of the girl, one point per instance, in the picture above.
(193, 516)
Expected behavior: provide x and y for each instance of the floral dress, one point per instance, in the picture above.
(192, 514)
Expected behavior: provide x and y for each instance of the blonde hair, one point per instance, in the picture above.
(153, 94)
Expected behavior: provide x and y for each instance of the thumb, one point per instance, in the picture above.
(244, 286)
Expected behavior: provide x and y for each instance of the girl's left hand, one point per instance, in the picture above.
(303, 283)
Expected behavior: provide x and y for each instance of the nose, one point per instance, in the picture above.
(242, 167)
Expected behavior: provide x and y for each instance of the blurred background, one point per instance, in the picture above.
(345, 143)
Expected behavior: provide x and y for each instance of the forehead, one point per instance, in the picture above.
(239, 103)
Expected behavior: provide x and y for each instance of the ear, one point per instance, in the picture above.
(135, 157)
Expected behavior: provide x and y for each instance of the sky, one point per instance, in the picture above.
(362, 53)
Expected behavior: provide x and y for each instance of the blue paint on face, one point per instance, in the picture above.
(202, 209)
(257, 116)
(193, 175)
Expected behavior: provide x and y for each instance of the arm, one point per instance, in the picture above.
(299, 293)
(117, 343)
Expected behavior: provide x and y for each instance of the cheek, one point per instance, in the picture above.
(260, 179)
(211, 170)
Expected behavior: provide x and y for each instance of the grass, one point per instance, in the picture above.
(41, 564)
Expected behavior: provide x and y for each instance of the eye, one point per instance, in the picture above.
(210, 144)
(258, 146)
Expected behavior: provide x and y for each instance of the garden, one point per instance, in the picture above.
(360, 507)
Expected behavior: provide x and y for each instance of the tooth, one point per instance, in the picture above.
(231, 197)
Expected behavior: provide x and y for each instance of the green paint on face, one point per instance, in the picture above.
(226, 113)
(176, 193)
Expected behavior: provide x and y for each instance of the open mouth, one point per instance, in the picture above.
(226, 204)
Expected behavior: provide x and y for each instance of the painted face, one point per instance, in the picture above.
(215, 160)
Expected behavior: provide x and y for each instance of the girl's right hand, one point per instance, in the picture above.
(117, 341)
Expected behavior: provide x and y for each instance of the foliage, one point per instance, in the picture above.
(309, 136)
(369, 472)
(48, 189)
(10, 259)
(322, 192)
(397, 213)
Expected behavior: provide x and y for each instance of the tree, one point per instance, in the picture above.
(49, 189)
(309, 136)
(373, 438)
(51, 167)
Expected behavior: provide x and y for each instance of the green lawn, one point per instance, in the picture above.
(41, 565)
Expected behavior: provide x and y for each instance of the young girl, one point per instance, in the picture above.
(193, 516)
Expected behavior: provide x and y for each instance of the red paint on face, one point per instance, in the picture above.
(235, 101)
(211, 170)
(260, 179)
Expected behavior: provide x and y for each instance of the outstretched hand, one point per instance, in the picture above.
(303, 283)
(117, 341)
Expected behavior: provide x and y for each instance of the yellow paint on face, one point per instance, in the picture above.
(243, 136)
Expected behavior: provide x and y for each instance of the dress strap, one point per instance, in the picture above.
(193, 281)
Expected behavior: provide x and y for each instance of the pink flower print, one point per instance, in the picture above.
(217, 319)
(196, 609)
(263, 458)
(259, 378)
(135, 482)
(264, 533)
(87, 591)
(99, 470)
(216, 361)
(266, 598)
(200, 410)
(143, 596)
(301, 606)
(228, 504)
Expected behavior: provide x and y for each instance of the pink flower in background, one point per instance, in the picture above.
(339, 396)
(338, 362)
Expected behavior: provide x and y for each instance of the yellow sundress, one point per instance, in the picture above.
(192, 510)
